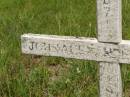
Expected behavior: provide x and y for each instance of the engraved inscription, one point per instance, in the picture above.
(78, 48)
(73, 49)
(111, 52)
(107, 12)
(64, 48)
(107, 8)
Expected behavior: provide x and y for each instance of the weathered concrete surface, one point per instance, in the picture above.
(110, 80)
(109, 23)
(79, 48)
(109, 16)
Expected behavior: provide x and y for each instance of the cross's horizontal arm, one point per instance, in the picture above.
(78, 48)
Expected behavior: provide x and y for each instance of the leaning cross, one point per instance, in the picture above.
(109, 49)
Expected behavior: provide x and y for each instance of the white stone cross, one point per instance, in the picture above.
(109, 49)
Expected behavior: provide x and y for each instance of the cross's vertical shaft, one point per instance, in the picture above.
(110, 80)
(109, 21)
(109, 31)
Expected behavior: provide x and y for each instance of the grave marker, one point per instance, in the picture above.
(109, 31)
(110, 50)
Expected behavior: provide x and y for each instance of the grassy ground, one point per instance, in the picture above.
(35, 76)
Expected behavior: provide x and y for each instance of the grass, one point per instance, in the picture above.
(35, 76)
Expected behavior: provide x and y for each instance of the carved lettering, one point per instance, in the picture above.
(106, 1)
(32, 46)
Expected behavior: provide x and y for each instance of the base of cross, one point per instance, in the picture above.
(110, 80)
(109, 55)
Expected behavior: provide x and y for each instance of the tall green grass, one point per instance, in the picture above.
(36, 76)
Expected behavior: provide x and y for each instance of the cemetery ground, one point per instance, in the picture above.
(35, 76)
